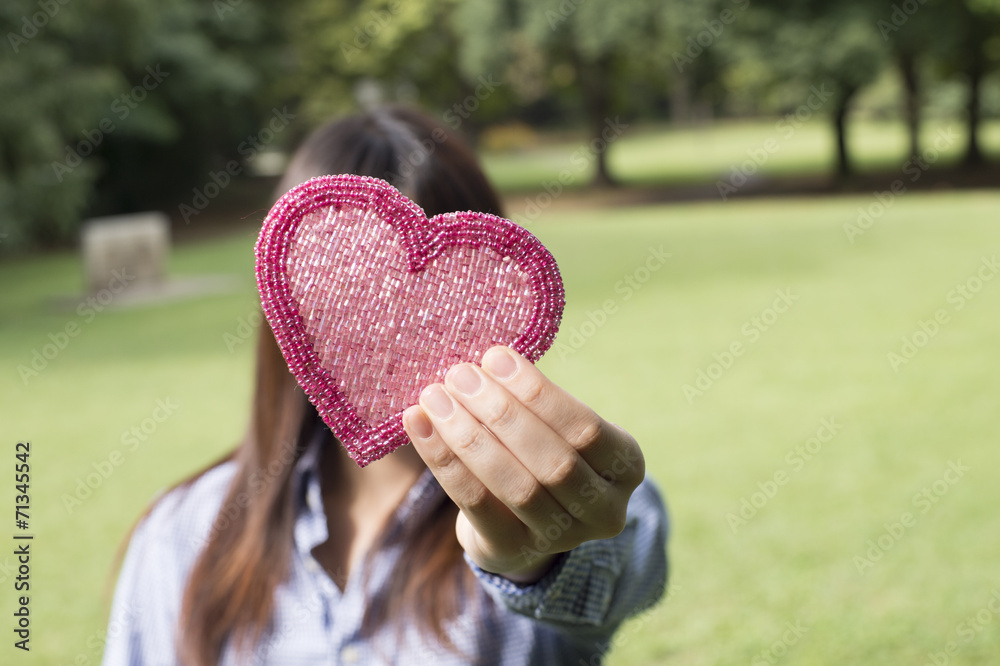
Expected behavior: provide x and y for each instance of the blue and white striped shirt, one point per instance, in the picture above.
(568, 617)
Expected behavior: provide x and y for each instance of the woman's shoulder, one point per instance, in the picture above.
(182, 518)
(161, 553)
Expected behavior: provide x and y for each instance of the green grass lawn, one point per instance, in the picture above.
(652, 155)
(733, 591)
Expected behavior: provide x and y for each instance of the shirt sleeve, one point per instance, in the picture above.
(142, 627)
(599, 584)
(143, 613)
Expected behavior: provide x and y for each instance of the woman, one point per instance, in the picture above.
(527, 541)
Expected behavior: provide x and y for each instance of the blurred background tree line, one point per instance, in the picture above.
(113, 106)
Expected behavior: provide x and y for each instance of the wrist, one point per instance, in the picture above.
(526, 574)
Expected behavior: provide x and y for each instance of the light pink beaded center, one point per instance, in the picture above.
(370, 301)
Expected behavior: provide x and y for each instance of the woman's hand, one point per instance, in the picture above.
(534, 471)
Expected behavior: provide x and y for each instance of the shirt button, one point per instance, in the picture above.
(350, 655)
(312, 566)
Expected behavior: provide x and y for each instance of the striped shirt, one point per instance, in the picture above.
(568, 617)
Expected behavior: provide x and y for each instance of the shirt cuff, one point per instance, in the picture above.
(577, 590)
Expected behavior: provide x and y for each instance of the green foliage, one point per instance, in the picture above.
(790, 48)
(36, 83)
(545, 48)
(122, 104)
(85, 131)
(403, 50)
(585, 55)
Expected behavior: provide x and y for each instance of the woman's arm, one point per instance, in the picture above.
(547, 491)
(599, 584)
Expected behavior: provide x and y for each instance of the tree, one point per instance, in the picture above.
(956, 38)
(812, 43)
(37, 128)
(912, 35)
(97, 96)
(350, 51)
(700, 43)
(975, 54)
(596, 49)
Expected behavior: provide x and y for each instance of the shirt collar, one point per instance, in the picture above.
(310, 518)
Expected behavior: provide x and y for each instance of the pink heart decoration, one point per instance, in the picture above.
(370, 301)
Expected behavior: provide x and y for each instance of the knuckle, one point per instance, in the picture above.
(638, 470)
(527, 497)
(634, 464)
(477, 500)
(588, 433)
(593, 495)
(562, 473)
(501, 415)
(532, 392)
(443, 458)
(468, 439)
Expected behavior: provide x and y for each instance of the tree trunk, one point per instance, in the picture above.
(680, 101)
(602, 177)
(911, 84)
(595, 80)
(973, 151)
(840, 129)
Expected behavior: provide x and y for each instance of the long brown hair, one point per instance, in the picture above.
(230, 593)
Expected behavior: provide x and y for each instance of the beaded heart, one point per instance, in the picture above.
(370, 301)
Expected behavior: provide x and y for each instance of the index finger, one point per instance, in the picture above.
(600, 443)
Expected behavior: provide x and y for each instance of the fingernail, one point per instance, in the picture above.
(500, 363)
(419, 423)
(437, 401)
(466, 380)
